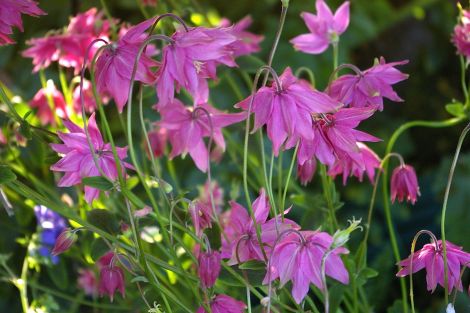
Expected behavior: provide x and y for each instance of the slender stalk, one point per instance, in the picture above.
(463, 70)
(444, 209)
(289, 174)
(326, 186)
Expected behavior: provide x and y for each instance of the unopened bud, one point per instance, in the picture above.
(342, 236)
(65, 240)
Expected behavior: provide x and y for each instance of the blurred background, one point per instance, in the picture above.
(414, 30)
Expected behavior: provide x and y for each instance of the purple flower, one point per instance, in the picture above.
(247, 43)
(191, 59)
(111, 279)
(10, 16)
(209, 268)
(158, 138)
(87, 282)
(460, 37)
(368, 88)
(114, 66)
(50, 226)
(404, 184)
(224, 304)
(306, 171)
(187, 127)
(299, 260)
(77, 161)
(242, 244)
(431, 258)
(288, 112)
(324, 28)
(64, 241)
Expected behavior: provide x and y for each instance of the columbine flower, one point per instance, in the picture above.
(306, 171)
(46, 114)
(247, 43)
(404, 184)
(368, 88)
(65, 240)
(187, 127)
(158, 138)
(111, 279)
(217, 193)
(460, 36)
(88, 98)
(224, 304)
(50, 226)
(299, 260)
(87, 282)
(115, 64)
(242, 244)
(209, 268)
(10, 15)
(431, 257)
(335, 137)
(78, 162)
(349, 167)
(191, 59)
(324, 28)
(287, 112)
(201, 216)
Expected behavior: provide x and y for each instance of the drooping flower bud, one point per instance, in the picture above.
(111, 278)
(306, 171)
(404, 184)
(209, 268)
(65, 240)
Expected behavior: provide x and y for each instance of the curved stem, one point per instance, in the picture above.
(309, 72)
(173, 16)
(444, 209)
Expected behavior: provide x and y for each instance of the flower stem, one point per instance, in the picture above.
(289, 174)
(326, 185)
(444, 209)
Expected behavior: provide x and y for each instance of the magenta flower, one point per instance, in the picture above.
(77, 161)
(87, 282)
(224, 304)
(299, 260)
(217, 193)
(191, 59)
(88, 98)
(65, 240)
(404, 184)
(368, 88)
(111, 279)
(158, 139)
(209, 268)
(187, 127)
(460, 36)
(10, 16)
(115, 64)
(431, 258)
(288, 113)
(324, 28)
(335, 137)
(241, 232)
(306, 171)
(247, 43)
(47, 114)
(349, 167)
(201, 216)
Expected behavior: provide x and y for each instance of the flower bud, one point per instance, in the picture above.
(65, 240)
(306, 171)
(404, 184)
(209, 268)
(342, 236)
(111, 278)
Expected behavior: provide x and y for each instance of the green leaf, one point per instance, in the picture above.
(253, 265)
(58, 274)
(104, 220)
(6, 174)
(455, 109)
(250, 63)
(254, 277)
(139, 279)
(4, 257)
(98, 182)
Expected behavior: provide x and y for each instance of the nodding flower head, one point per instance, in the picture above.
(460, 36)
(209, 268)
(224, 303)
(404, 184)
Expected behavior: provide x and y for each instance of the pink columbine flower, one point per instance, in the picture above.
(431, 257)
(460, 36)
(88, 98)
(217, 193)
(242, 244)
(209, 268)
(299, 260)
(115, 64)
(349, 167)
(191, 59)
(187, 127)
(288, 112)
(10, 16)
(324, 28)
(77, 161)
(158, 138)
(404, 184)
(335, 137)
(247, 43)
(224, 304)
(47, 114)
(87, 282)
(111, 279)
(201, 216)
(65, 240)
(368, 88)
(306, 171)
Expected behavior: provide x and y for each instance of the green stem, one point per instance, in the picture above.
(463, 81)
(65, 87)
(326, 185)
(444, 209)
(289, 174)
